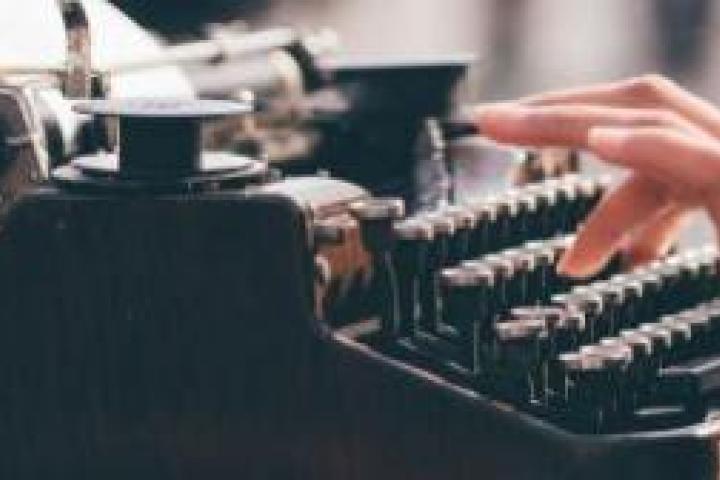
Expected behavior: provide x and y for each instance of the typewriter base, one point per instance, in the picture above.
(168, 337)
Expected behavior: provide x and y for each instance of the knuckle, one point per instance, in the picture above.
(649, 88)
(665, 118)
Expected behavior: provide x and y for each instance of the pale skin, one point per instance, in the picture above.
(667, 137)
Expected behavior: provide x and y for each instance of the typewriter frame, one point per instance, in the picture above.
(233, 372)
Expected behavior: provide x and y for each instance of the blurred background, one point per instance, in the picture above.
(518, 46)
(521, 46)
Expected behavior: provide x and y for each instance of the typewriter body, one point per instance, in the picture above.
(170, 312)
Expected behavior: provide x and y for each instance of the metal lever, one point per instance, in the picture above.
(77, 81)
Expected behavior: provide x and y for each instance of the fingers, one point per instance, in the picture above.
(568, 125)
(655, 239)
(647, 91)
(688, 166)
(620, 212)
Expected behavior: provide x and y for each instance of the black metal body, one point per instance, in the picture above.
(175, 337)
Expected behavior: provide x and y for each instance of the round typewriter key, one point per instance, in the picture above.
(590, 303)
(503, 270)
(644, 369)
(443, 229)
(563, 216)
(686, 283)
(485, 211)
(632, 300)
(545, 200)
(523, 268)
(708, 260)
(438, 257)
(546, 281)
(465, 221)
(376, 217)
(560, 245)
(699, 322)
(520, 354)
(682, 337)
(712, 309)
(662, 340)
(413, 238)
(590, 191)
(613, 302)
(534, 266)
(587, 387)
(486, 296)
(561, 336)
(465, 309)
(509, 231)
(528, 226)
(670, 275)
(616, 358)
(651, 286)
(691, 281)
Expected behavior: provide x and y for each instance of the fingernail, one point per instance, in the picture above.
(607, 141)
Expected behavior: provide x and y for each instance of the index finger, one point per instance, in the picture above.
(648, 91)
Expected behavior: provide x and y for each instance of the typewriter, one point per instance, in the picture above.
(172, 312)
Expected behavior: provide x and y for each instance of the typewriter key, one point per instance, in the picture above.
(503, 270)
(643, 370)
(528, 271)
(590, 191)
(546, 199)
(508, 231)
(662, 340)
(712, 310)
(613, 302)
(523, 266)
(682, 337)
(651, 287)
(465, 221)
(629, 315)
(708, 275)
(545, 279)
(561, 335)
(520, 355)
(466, 314)
(616, 358)
(561, 218)
(527, 226)
(590, 303)
(376, 217)
(560, 245)
(481, 239)
(438, 257)
(587, 387)
(670, 275)
(413, 238)
(699, 322)
(685, 282)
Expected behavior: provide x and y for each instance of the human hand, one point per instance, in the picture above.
(667, 137)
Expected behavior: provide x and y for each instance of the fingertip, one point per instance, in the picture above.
(573, 265)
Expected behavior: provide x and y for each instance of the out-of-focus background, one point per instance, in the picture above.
(521, 45)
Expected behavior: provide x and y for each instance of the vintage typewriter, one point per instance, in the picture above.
(171, 312)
